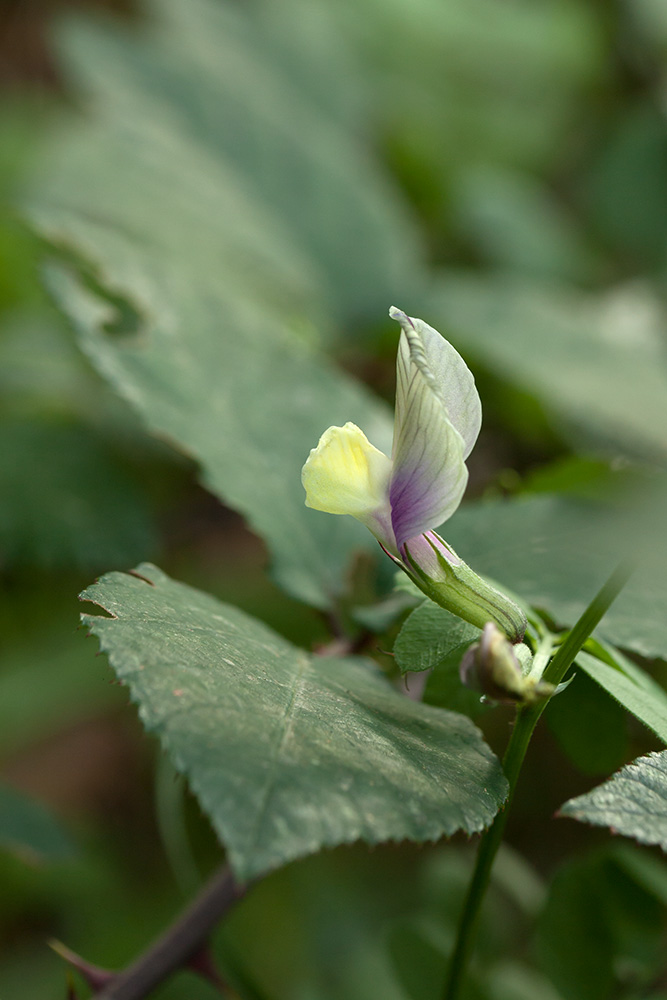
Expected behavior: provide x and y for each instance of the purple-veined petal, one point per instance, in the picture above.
(429, 474)
(448, 374)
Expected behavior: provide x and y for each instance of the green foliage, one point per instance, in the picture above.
(637, 148)
(633, 802)
(217, 199)
(420, 944)
(555, 554)
(537, 62)
(518, 226)
(196, 299)
(287, 753)
(591, 728)
(434, 639)
(595, 361)
(629, 685)
(430, 636)
(242, 395)
(81, 510)
(601, 931)
(29, 830)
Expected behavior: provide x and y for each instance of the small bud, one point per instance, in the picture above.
(498, 669)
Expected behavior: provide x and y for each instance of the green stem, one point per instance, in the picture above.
(526, 720)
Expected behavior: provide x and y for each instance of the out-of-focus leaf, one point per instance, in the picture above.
(556, 554)
(601, 932)
(418, 950)
(65, 500)
(273, 195)
(513, 221)
(244, 398)
(590, 727)
(287, 753)
(511, 981)
(596, 361)
(581, 477)
(634, 158)
(630, 686)
(21, 121)
(42, 372)
(28, 829)
(485, 84)
(645, 868)
(380, 616)
(212, 213)
(46, 683)
(420, 945)
(633, 802)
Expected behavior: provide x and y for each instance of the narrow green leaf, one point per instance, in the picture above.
(287, 753)
(629, 685)
(633, 802)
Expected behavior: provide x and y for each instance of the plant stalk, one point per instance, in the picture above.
(524, 726)
(179, 943)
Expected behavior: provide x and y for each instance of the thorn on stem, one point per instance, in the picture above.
(202, 963)
(96, 977)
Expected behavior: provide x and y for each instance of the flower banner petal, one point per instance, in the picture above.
(448, 373)
(429, 476)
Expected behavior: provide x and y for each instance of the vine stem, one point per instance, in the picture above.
(524, 725)
(179, 943)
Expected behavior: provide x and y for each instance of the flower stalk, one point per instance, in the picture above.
(526, 719)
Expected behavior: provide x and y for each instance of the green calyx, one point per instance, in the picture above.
(463, 592)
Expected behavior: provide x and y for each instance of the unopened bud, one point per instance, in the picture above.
(499, 669)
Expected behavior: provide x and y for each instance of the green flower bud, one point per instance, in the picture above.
(500, 670)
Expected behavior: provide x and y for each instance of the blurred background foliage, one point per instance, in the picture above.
(500, 170)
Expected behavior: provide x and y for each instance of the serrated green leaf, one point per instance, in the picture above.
(434, 639)
(633, 802)
(556, 554)
(429, 636)
(287, 753)
(28, 829)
